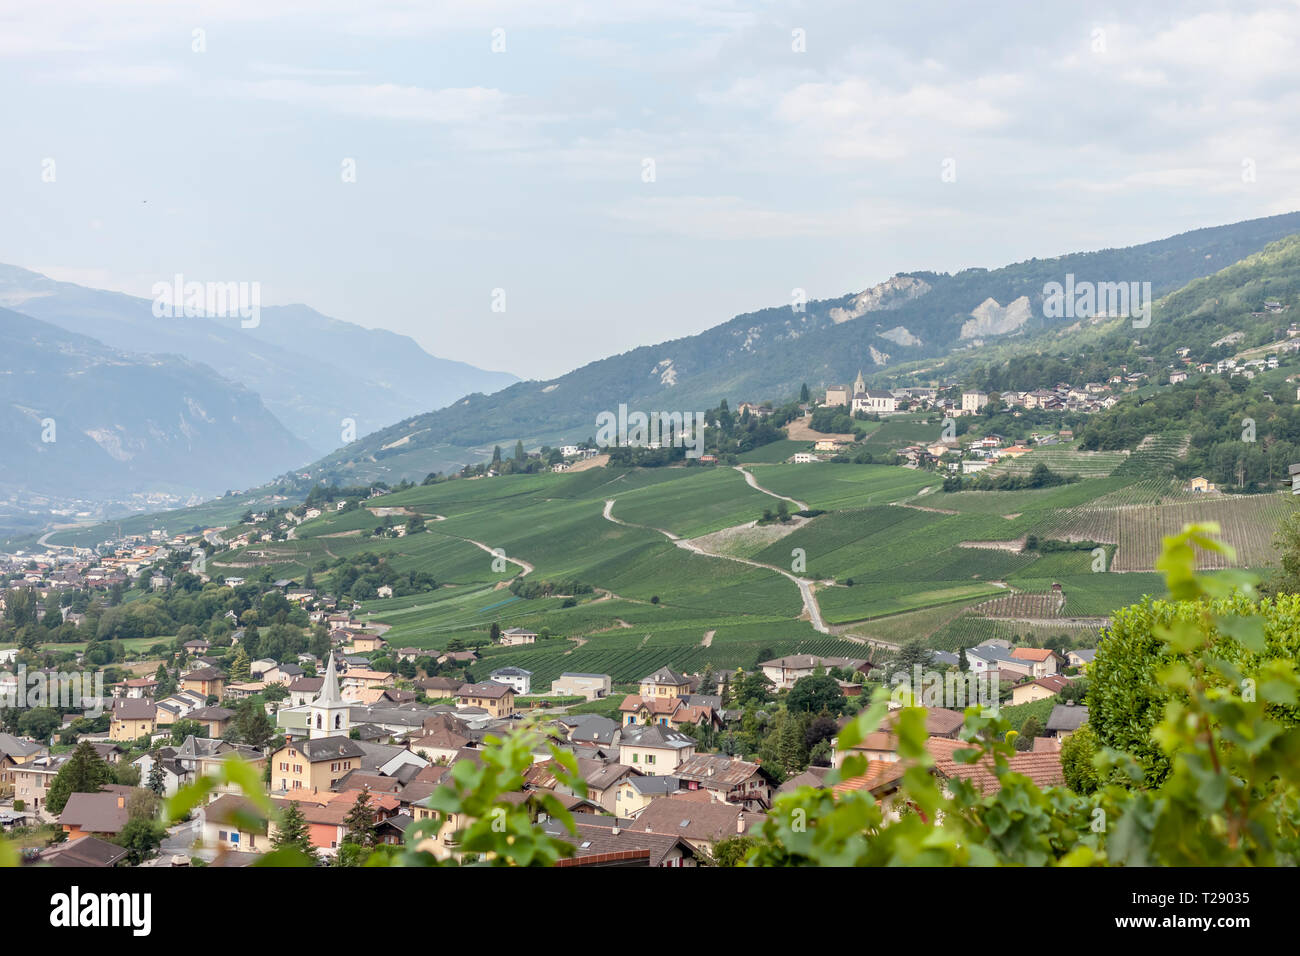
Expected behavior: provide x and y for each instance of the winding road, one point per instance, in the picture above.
(753, 483)
(805, 585)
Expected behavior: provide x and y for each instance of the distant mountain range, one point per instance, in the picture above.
(81, 420)
(311, 371)
(770, 353)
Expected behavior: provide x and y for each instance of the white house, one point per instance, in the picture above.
(516, 677)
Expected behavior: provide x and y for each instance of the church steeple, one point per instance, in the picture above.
(859, 384)
(329, 714)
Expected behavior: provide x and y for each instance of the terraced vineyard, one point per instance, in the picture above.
(1063, 460)
(893, 557)
(1023, 605)
(1248, 523)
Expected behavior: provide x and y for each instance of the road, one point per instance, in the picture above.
(805, 586)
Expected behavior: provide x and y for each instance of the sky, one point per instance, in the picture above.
(531, 186)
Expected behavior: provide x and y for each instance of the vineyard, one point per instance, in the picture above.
(969, 630)
(1247, 523)
(1063, 461)
(1023, 605)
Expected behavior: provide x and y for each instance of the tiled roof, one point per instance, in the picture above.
(1043, 768)
(709, 821)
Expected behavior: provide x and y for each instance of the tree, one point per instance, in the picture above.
(815, 693)
(1077, 753)
(239, 666)
(292, 833)
(157, 779)
(141, 837)
(1031, 728)
(359, 824)
(85, 772)
(519, 452)
(804, 394)
(186, 728)
(252, 725)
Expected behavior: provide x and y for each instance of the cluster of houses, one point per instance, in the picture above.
(651, 797)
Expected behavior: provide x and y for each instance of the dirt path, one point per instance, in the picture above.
(528, 568)
(708, 638)
(805, 586)
(753, 483)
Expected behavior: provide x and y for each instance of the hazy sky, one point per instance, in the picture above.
(525, 170)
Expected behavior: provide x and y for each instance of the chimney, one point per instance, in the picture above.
(740, 822)
(121, 801)
(615, 831)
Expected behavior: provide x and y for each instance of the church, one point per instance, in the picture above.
(329, 715)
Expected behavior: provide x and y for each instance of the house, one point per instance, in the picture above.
(327, 821)
(1039, 688)
(31, 780)
(438, 688)
(784, 671)
(234, 822)
(1082, 659)
(103, 814)
(86, 851)
(496, 698)
(601, 842)
(1042, 660)
(665, 682)
(604, 778)
(518, 678)
(174, 774)
(206, 681)
(727, 780)
(515, 636)
(367, 643)
(197, 647)
(314, 765)
(137, 687)
(575, 684)
(1065, 719)
(701, 822)
(132, 717)
(304, 690)
(881, 746)
(988, 657)
(974, 401)
(359, 678)
(177, 707)
(1042, 767)
(282, 674)
(635, 791)
(215, 720)
(654, 749)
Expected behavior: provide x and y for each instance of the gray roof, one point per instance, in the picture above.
(512, 672)
(654, 786)
(655, 735)
(326, 748)
(1068, 717)
(18, 747)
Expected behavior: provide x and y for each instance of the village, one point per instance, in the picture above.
(339, 735)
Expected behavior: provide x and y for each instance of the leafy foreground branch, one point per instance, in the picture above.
(1215, 785)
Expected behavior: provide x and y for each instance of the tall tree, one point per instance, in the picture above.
(292, 833)
(85, 772)
(359, 824)
(157, 780)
